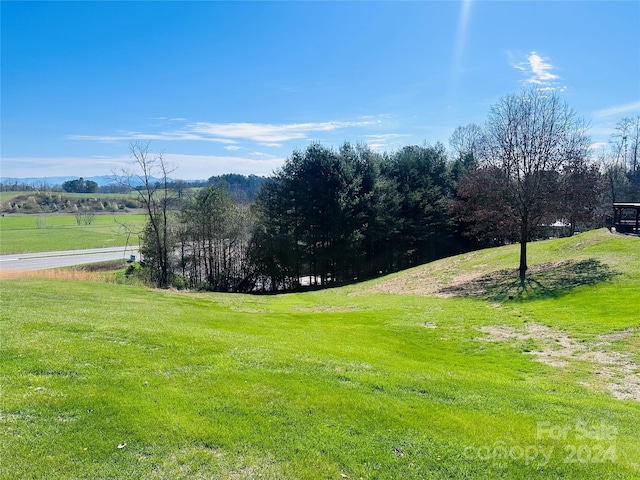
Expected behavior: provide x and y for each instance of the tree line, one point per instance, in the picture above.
(332, 216)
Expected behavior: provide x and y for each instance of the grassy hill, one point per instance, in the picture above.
(449, 370)
(36, 202)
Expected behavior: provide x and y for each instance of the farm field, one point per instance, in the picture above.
(6, 196)
(41, 233)
(434, 372)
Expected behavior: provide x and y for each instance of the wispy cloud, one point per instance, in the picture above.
(598, 146)
(384, 141)
(541, 70)
(179, 135)
(538, 71)
(618, 110)
(271, 134)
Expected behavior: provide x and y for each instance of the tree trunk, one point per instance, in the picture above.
(523, 252)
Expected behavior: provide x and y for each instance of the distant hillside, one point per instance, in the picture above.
(63, 202)
(243, 188)
(50, 182)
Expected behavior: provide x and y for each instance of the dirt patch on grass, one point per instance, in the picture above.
(616, 370)
(429, 279)
(543, 280)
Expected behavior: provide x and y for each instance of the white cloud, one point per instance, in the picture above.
(232, 148)
(538, 71)
(179, 135)
(541, 70)
(266, 134)
(618, 110)
(383, 141)
(596, 146)
(266, 156)
(270, 133)
(385, 137)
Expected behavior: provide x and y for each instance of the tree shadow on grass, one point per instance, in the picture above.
(549, 280)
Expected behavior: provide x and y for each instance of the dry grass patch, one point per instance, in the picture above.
(429, 279)
(95, 272)
(442, 279)
(620, 374)
(54, 274)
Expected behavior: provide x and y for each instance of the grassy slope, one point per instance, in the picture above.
(310, 385)
(40, 233)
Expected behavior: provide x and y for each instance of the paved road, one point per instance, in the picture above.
(67, 258)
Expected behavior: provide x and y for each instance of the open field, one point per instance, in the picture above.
(41, 233)
(453, 380)
(6, 196)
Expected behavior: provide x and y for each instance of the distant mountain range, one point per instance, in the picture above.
(101, 180)
(242, 188)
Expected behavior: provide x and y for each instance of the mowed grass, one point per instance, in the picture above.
(40, 233)
(114, 381)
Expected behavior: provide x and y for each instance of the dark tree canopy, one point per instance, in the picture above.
(80, 186)
(331, 217)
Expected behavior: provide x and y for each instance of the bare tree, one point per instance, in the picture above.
(150, 180)
(620, 162)
(466, 140)
(531, 138)
(625, 143)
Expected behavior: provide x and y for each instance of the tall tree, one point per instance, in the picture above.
(466, 140)
(530, 139)
(626, 142)
(421, 177)
(214, 240)
(314, 215)
(149, 178)
(623, 161)
(274, 246)
(581, 189)
(481, 208)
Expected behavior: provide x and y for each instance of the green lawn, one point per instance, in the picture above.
(40, 233)
(115, 381)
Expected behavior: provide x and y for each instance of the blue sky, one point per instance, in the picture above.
(224, 87)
